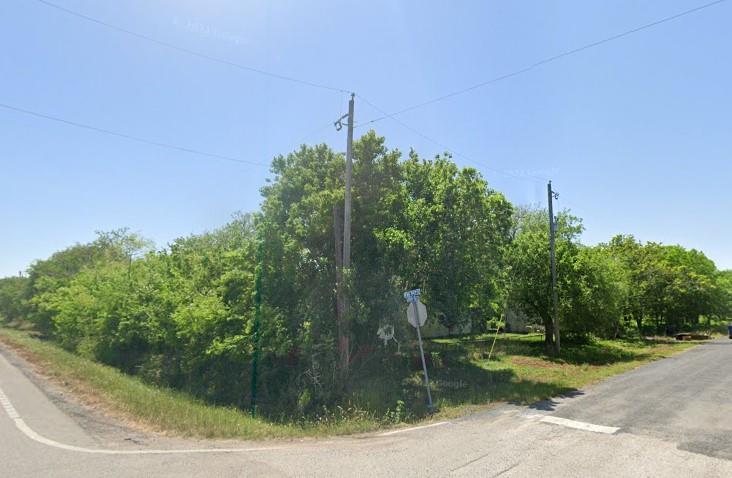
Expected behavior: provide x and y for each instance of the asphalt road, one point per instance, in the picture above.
(669, 418)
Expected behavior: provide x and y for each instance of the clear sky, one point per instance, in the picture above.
(634, 133)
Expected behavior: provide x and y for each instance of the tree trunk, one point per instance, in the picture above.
(549, 335)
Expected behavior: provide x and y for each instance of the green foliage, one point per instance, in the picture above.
(669, 287)
(529, 276)
(14, 292)
(603, 288)
(451, 239)
(47, 276)
(593, 296)
(183, 316)
(416, 223)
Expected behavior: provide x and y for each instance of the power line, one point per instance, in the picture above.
(446, 147)
(311, 133)
(189, 51)
(543, 62)
(130, 137)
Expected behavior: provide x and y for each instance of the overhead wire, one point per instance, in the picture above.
(130, 137)
(188, 51)
(383, 112)
(543, 62)
(449, 149)
(178, 49)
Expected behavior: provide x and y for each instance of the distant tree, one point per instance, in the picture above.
(529, 283)
(593, 294)
(46, 276)
(723, 296)
(14, 293)
(668, 285)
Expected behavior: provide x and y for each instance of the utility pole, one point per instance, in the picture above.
(258, 271)
(551, 195)
(347, 204)
(342, 272)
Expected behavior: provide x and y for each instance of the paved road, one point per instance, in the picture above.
(669, 418)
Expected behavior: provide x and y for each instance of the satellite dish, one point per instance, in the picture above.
(386, 333)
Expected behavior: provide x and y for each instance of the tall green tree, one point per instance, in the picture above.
(452, 240)
(529, 283)
(14, 294)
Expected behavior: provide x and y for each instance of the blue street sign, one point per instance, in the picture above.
(412, 295)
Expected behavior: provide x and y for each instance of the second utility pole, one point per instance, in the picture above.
(347, 202)
(343, 276)
(551, 195)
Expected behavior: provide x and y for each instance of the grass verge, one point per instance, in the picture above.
(520, 372)
(159, 409)
(388, 393)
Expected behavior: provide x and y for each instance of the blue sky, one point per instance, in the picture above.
(634, 133)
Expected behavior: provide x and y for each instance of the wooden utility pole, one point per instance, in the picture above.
(340, 294)
(343, 249)
(258, 271)
(345, 339)
(551, 195)
(347, 203)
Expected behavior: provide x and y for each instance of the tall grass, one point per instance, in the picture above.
(162, 409)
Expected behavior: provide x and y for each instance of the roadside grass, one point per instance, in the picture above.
(520, 372)
(161, 409)
(387, 390)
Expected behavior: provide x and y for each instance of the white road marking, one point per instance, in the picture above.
(590, 427)
(404, 430)
(532, 416)
(30, 433)
(7, 406)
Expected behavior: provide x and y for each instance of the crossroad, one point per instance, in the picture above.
(669, 418)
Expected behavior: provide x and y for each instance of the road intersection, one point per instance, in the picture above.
(669, 418)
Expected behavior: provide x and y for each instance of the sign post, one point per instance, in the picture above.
(417, 316)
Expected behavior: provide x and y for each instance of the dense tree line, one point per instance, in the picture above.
(610, 289)
(183, 316)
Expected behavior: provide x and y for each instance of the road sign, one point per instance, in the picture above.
(412, 295)
(417, 313)
(417, 316)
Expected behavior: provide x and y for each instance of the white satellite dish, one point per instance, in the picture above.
(385, 333)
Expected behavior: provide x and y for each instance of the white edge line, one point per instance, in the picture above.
(33, 435)
(404, 430)
(580, 425)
